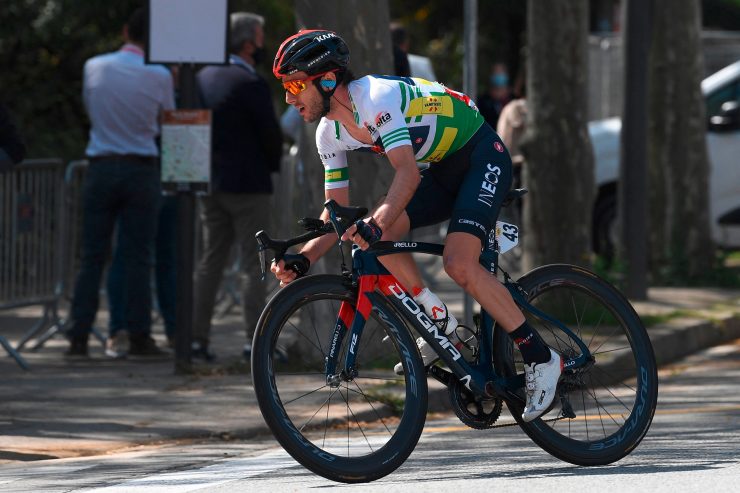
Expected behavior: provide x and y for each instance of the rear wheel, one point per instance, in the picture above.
(364, 426)
(614, 398)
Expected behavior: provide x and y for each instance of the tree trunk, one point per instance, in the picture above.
(365, 28)
(680, 240)
(632, 198)
(559, 159)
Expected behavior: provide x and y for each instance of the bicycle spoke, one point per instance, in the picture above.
(575, 312)
(555, 332)
(383, 379)
(313, 324)
(596, 328)
(585, 415)
(597, 401)
(357, 421)
(634, 391)
(611, 350)
(363, 394)
(607, 339)
(301, 373)
(596, 315)
(347, 431)
(601, 418)
(326, 402)
(305, 395)
(300, 332)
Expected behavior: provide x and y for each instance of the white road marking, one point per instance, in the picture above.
(224, 471)
(17, 473)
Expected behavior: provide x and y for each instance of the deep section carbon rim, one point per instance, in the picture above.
(358, 428)
(604, 409)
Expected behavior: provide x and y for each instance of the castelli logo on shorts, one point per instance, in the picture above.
(497, 145)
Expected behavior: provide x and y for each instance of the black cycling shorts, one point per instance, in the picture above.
(467, 187)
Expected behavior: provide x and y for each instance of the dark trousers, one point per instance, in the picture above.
(165, 273)
(123, 191)
(230, 219)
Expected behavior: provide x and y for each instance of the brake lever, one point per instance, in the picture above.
(261, 236)
(311, 224)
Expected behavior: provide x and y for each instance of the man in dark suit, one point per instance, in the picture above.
(247, 146)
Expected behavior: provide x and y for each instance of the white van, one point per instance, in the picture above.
(722, 95)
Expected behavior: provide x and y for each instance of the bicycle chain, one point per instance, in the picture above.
(477, 422)
(504, 425)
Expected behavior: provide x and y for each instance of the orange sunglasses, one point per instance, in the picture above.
(297, 86)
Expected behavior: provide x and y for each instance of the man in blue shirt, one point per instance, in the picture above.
(124, 98)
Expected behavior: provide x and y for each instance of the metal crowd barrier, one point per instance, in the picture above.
(31, 230)
(68, 253)
(40, 216)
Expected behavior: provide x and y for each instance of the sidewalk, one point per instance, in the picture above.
(66, 409)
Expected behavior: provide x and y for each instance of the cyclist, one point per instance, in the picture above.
(412, 121)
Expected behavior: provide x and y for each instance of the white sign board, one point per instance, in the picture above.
(188, 31)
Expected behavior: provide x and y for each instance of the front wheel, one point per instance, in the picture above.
(603, 410)
(365, 424)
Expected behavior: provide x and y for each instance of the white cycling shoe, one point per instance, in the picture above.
(542, 384)
(428, 356)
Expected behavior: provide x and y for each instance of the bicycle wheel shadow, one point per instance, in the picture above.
(512, 455)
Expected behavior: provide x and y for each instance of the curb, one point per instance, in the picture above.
(684, 336)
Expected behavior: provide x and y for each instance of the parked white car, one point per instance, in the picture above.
(722, 95)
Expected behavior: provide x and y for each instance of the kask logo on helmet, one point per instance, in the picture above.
(324, 37)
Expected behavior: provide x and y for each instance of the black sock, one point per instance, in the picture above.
(530, 344)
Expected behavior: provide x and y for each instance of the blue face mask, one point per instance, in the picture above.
(499, 80)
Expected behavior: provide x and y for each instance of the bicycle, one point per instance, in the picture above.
(336, 406)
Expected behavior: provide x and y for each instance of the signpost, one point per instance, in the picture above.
(632, 200)
(186, 33)
(470, 77)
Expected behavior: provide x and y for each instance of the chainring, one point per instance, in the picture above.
(479, 414)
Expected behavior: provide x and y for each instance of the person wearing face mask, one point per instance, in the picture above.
(246, 149)
(498, 95)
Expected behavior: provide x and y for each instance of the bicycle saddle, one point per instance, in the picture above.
(513, 195)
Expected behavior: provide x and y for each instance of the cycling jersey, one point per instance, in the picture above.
(434, 120)
(470, 169)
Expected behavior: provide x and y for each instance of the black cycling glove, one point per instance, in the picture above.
(298, 263)
(369, 231)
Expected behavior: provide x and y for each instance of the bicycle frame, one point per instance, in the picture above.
(377, 287)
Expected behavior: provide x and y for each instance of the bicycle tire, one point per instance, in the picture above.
(614, 400)
(372, 423)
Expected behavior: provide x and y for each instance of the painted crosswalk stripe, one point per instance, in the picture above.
(222, 472)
